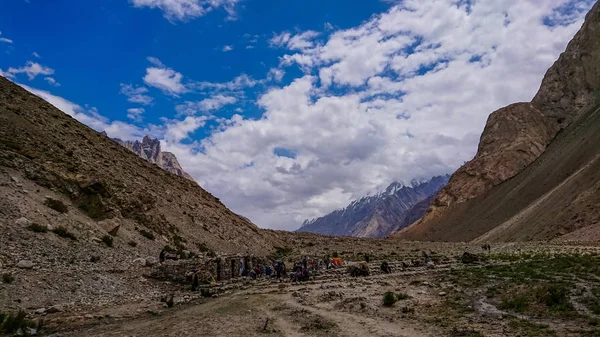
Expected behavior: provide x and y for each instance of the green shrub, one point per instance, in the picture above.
(18, 323)
(516, 303)
(7, 278)
(63, 233)
(37, 228)
(389, 299)
(147, 234)
(108, 240)
(555, 297)
(56, 205)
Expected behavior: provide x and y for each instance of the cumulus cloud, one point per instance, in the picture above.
(184, 10)
(404, 95)
(227, 48)
(206, 105)
(135, 114)
(32, 69)
(164, 78)
(136, 94)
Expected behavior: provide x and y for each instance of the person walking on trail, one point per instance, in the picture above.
(426, 256)
(367, 258)
(162, 255)
(195, 280)
(241, 266)
(305, 262)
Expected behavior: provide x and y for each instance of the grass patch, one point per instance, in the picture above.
(515, 303)
(529, 329)
(37, 228)
(64, 233)
(389, 299)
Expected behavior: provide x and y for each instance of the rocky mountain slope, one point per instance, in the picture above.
(381, 214)
(532, 177)
(82, 216)
(149, 149)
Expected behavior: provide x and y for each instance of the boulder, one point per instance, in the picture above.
(40, 311)
(110, 225)
(23, 222)
(25, 264)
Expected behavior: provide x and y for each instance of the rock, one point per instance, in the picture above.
(151, 261)
(430, 265)
(14, 179)
(111, 226)
(295, 294)
(25, 264)
(40, 311)
(54, 309)
(443, 293)
(96, 239)
(140, 261)
(23, 222)
(49, 227)
(88, 316)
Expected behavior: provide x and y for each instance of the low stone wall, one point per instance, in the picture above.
(209, 269)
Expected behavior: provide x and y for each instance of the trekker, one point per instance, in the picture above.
(241, 266)
(161, 256)
(305, 262)
(195, 280)
(426, 256)
(367, 258)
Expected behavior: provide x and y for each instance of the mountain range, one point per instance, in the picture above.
(149, 149)
(379, 215)
(535, 174)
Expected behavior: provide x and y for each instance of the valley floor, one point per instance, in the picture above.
(511, 291)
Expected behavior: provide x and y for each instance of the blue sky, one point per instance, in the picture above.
(287, 110)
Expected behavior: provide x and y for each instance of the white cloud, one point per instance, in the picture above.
(155, 61)
(5, 40)
(227, 48)
(136, 94)
(52, 81)
(184, 10)
(32, 69)
(238, 83)
(165, 79)
(404, 95)
(275, 74)
(300, 41)
(206, 105)
(135, 114)
(179, 130)
(36, 55)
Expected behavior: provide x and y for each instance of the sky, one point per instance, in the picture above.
(288, 110)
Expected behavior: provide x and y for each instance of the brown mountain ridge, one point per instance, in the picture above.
(534, 176)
